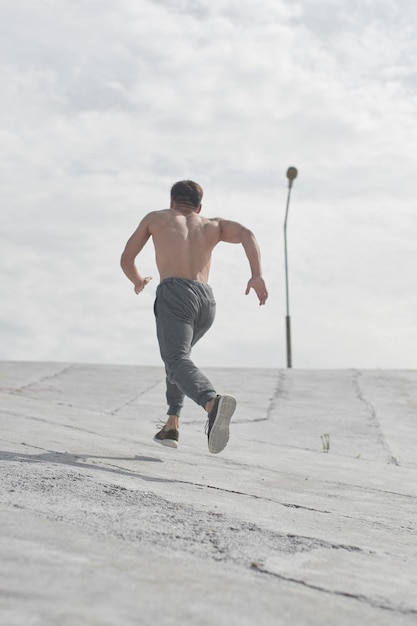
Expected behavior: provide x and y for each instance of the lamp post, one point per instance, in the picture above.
(291, 175)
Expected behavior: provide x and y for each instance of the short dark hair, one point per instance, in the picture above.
(187, 192)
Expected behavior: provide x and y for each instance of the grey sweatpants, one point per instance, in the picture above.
(184, 311)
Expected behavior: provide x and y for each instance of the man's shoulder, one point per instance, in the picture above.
(213, 220)
(158, 212)
(154, 216)
(157, 221)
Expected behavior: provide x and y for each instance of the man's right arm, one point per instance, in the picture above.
(134, 245)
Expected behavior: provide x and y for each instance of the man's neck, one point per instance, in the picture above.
(184, 209)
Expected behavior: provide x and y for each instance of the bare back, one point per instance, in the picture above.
(183, 242)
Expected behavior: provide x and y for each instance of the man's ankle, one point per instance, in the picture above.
(172, 423)
(209, 405)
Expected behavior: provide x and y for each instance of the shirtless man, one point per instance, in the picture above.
(185, 306)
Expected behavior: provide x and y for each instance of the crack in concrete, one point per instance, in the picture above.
(18, 390)
(42, 380)
(353, 596)
(278, 391)
(256, 497)
(372, 417)
(139, 395)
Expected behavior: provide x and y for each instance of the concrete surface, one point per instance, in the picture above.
(102, 526)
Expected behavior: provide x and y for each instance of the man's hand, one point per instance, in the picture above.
(258, 284)
(140, 285)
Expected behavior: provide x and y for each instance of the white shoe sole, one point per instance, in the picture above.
(219, 434)
(169, 443)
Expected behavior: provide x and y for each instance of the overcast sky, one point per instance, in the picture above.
(104, 105)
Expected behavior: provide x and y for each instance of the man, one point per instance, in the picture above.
(184, 305)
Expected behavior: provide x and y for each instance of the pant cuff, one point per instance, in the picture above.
(205, 397)
(174, 409)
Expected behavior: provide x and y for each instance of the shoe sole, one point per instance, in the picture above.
(169, 443)
(219, 434)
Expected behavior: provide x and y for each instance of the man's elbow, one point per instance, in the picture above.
(247, 236)
(125, 261)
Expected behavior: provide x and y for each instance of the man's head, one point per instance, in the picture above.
(187, 192)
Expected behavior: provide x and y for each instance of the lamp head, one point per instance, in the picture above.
(291, 175)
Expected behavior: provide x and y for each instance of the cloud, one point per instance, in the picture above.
(105, 105)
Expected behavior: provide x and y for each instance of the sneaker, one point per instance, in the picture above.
(167, 437)
(217, 428)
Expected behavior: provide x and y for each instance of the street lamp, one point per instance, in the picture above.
(291, 175)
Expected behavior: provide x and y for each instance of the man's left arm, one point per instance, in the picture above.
(233, 232)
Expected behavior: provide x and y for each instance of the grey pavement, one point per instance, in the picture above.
(307, 517)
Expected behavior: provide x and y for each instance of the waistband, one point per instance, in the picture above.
(183, 281)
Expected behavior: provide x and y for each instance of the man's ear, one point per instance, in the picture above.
(199, 208)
